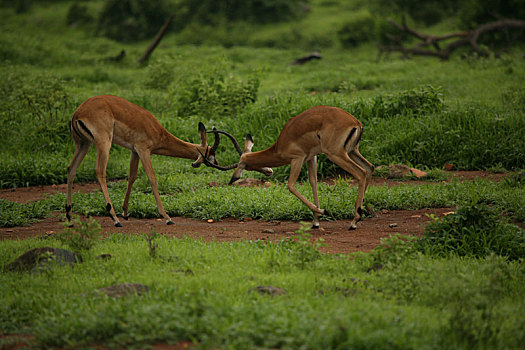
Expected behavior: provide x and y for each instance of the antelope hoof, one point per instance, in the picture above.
(125, 217)
(352, 227)
(118, 224)
(326, 212)
(315, 227)
(169, 222)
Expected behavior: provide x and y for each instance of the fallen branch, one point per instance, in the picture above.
(156, 41)
(430, 44)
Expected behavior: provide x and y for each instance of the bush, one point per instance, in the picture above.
(473, 230)
(358, 31)
(78, 14)
(132, 20)
(414, 102)
(475, 12)
(214, 92)
(428, 12)
(256, 11)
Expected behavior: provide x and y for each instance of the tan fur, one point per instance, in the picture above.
(104, 120)
(320, 129)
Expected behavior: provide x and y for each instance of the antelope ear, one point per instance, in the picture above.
(248, 143)
(202, 132)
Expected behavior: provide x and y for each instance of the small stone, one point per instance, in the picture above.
(269, 290)
(392, 225)
(211, 221)
(124, 289)
(268, 230)
(415, 216)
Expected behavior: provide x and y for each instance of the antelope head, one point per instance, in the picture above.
(243, 163)
(206, 153)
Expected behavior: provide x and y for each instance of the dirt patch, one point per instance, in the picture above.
(334, 233)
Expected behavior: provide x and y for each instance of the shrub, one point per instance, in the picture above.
(78, 14)
(473, 230)
(214, 92)
(428, 12)
(132, 20)
(358, 31)
(258, 11)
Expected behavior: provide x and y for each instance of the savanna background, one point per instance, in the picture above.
(228, 63)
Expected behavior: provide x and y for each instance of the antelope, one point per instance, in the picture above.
(106, 120)
(321, 129)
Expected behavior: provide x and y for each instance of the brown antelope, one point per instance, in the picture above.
(104, 120)
(322, 129)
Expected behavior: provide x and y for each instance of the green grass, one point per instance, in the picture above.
(183, 195)
(203, 292)
(47, 75)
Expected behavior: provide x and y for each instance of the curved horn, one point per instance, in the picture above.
(210, 164)
(217, 141)
(234, 141)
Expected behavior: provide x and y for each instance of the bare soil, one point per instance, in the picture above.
(335, 234)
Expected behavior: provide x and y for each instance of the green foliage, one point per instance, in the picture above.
(475, 12)
(301, 248)
(152, 245)
(78, 14)
(132, 20)
(17, 214)
(428, 12)
(473, 230)
(214, 92)
(393, 250)
(332, 303)
(82, 236)
(257, 11)
(360, 30)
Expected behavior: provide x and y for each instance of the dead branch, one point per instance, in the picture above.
(429, 45)
(156, 41)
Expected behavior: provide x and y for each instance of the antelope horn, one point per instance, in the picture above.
(210, 164)
(216, 143)
(234, 141)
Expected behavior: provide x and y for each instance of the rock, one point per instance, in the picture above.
(418, 173)
(269, 290)
(104, 257)
(249, 182)
(41, 257)
(268, 230)
(375, 267)
(396, 171)
(124, 289)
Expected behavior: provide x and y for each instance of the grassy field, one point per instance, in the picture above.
(460, 286)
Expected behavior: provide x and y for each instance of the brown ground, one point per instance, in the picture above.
(335, 233)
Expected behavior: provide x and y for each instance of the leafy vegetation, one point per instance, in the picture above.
(227, 64)
(474, 230)
(207, 293)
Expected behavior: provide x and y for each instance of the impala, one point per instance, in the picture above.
(104, 120)
(321, 129)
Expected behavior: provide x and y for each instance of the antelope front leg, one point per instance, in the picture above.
(148, 168)
(294, 174)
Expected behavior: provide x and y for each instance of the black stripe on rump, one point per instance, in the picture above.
(352, 132)
(85, 128)
(74, 129)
